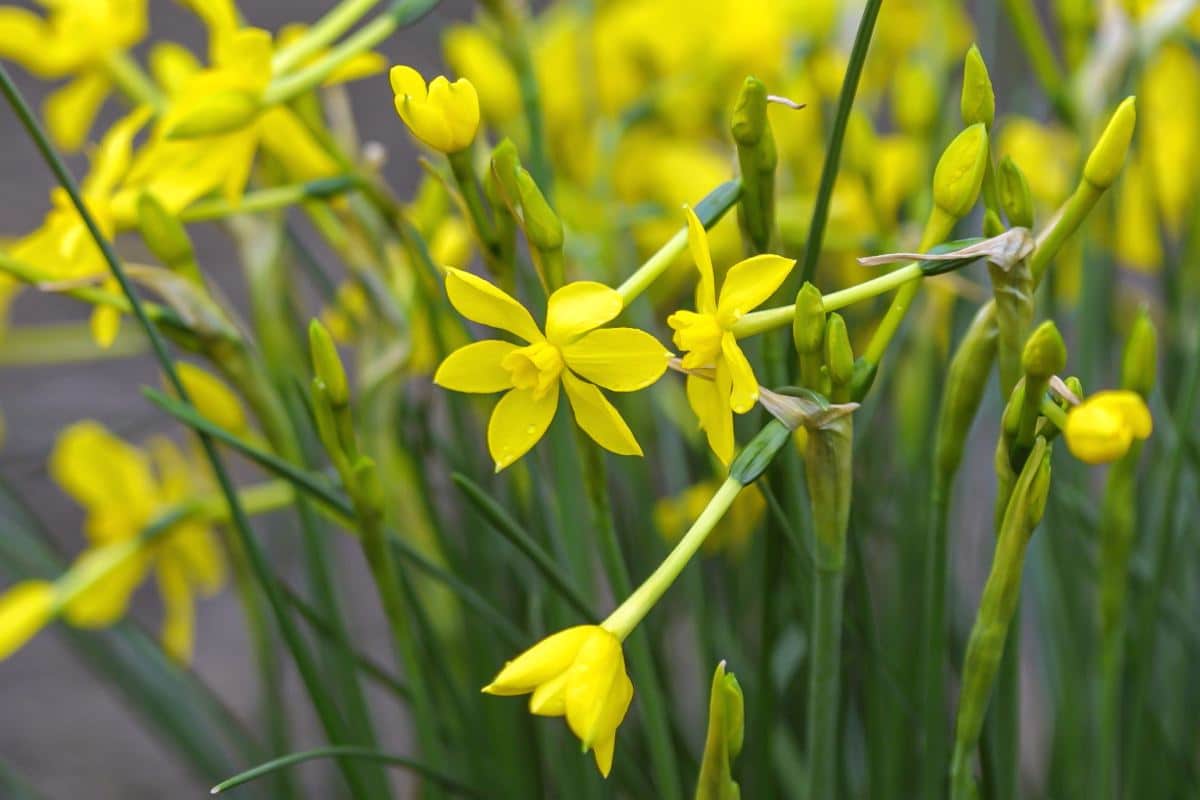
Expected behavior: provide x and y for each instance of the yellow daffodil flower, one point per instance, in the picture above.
(63, 249)
(578, 673)
(443, 115)
(123, 490)
(1102, 428)
(574, 353)
(706, 336)
(82, 39)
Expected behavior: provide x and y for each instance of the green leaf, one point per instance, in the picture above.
(726, 719)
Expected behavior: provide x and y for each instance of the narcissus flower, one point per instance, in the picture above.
(574, 353)
(578, 673)
(706, 335)
(124, 491)
(1102, 427)
(443, 115)
(80, 39)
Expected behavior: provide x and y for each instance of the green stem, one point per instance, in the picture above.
(936, 632)
(132, 81)
(833, 152)
(325, 708)
(472, 194)
(336, 21)
(276, 197)
(658, 727)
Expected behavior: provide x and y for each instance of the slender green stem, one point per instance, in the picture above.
(133, 82)
(403, 12)
(342, 753)
(932, 765)
(328, 714)
(833, 151)
(824, 681)
(276, 197)
(468, 187)
(658, 727)
(325, 31)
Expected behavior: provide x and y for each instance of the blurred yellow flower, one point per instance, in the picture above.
(443, 115)
(706, 336)
(83, 39)
(1047, 154)
(673, 515)
(574, 353)
(1102, 427)
(578, 673)
(476, 56)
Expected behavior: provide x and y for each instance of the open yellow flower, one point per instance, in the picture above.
(1102, 428)
(443, 115)
(124, 490)
(77, 38)
(578, 673)
(706, 336)
(574, 353)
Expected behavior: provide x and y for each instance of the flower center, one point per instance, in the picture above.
(699, 336)
(535, 367)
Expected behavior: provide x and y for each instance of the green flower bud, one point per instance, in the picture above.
(750, 114)
(1045, 353)
(726, 718)
(327, 364)
(1139, 363)
(505, 164)
(978, 100)
(839, 357)
(959, 173)
(808, 326)
(992, 224)
(1015, 197)
(221, 112)
(1075, 385)
(1108, 156)
(1011, 420)
(542, 225)
(164, 234)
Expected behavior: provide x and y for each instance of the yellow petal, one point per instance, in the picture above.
(111, 575)
(749, 283)
(1130, 407)
(245, 55)
(363, 65)
(706, 293)
(70, 111)
(1095, 435)
(178, 612)
(602, 751)
(101, 471)
(111, 160)
(518, 422)
(550, 698)
(543, 662)
(286, 138)
(25, 609)
(406, 81)
(578, 308)
(462, 113)
(598, 690)
(476, 368)
(598, 418)
(710, 402)
(194, 547)
(215, 401)
(30, 41)
(482, 302)
(426, 123)
(744, 390)
(620, 359)
(171, 65)
(105, 325)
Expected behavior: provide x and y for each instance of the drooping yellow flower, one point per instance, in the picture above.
(578, 673)
(706, 336)
(1102, 428)
(123, 490)
(81, 39)
(574, 353)
(443, 115)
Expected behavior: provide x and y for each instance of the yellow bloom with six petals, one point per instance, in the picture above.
(706, 335)
(574, 353)
(443, 115)
(1103, 427)
(578, 673)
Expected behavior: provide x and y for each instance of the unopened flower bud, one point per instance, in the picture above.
(163, 233)
(1045, 353)
(1139, 363)
(214, 114)
(1015, 197)
(808, 326)
(959, 173)
(839, 357)
(542, 225)
(978, 100)
(750, 114)
(327, 364)
(1108, 156)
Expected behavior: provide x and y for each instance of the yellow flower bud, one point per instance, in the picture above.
(1015, 197)
(25, 609)
(1101, 429)
(1139, 361)
(959, 173)
(214, 114)
(327, 364)
(1045, 353)
(1108, 156)
(978, 100)
(578, 673)
(443, 115)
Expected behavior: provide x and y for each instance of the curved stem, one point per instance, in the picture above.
(336, 21)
